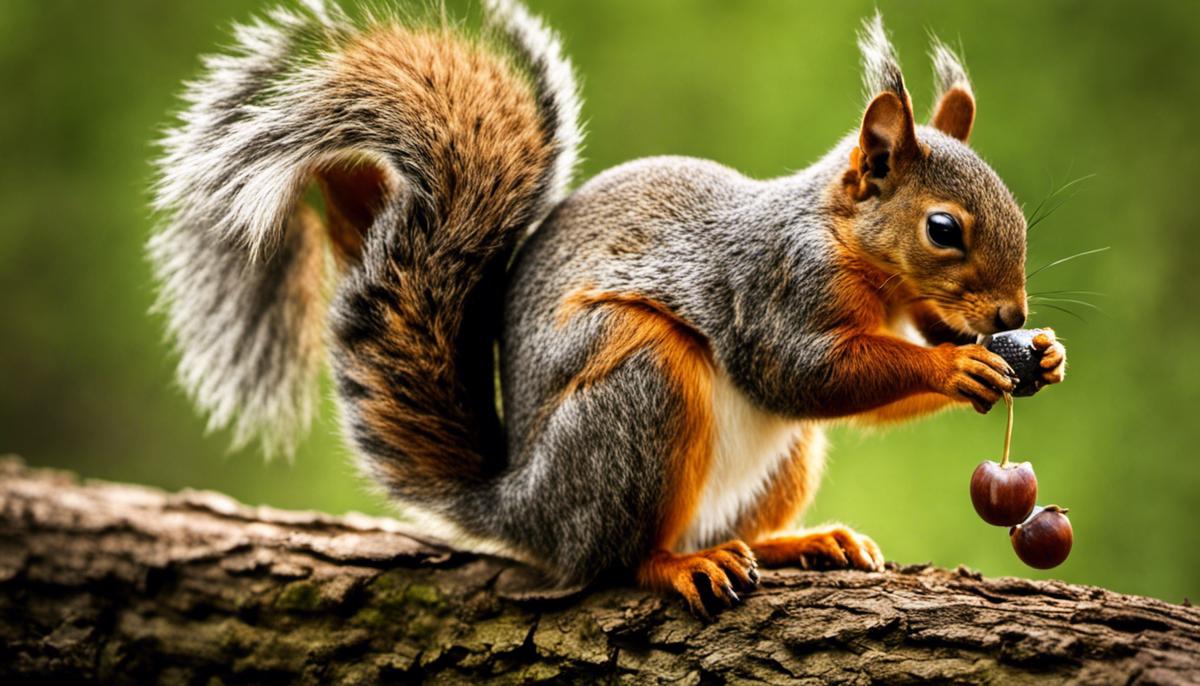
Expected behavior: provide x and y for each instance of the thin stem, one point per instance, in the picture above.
(1008, 430)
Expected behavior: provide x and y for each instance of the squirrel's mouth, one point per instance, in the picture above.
(965, 320)
(969, 327)
(979, 328)
(984, 327)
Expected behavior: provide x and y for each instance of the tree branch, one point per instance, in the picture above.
(124, 584)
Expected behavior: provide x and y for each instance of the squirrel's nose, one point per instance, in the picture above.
(1010, 317)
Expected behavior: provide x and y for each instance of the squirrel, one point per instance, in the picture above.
(669, 341)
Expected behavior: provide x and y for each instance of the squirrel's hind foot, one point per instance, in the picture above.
(831, 547)
(709, 580)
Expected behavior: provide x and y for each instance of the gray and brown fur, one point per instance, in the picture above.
(630, 304)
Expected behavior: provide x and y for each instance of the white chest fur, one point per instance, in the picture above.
(749, 445)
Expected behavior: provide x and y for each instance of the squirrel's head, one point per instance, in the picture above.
(924, 207)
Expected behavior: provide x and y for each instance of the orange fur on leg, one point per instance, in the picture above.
(637, 323)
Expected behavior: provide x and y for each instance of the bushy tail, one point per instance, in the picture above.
(433, 153)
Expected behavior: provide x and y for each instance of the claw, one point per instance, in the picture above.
(705, 579)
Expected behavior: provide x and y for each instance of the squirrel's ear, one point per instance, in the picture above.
(954, 113)
(888, 137)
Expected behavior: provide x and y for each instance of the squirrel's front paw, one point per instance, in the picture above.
(1054, 358)
(976, 375)
(708, 580)
(831, 547)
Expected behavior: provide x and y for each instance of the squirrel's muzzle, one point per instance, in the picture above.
(1010, 317)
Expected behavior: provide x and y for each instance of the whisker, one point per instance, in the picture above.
(1071, 300)
(893, 289)
(1069, 292)
(1068, 258)
(1063, 309)
(1073, 182)
(1036, 210)
(1038, 220)
(1034, 219)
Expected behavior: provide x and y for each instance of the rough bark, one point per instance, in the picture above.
(124, 584)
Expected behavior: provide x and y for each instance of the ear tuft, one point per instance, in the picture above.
(954, 113)
(948, 69)
(881, 68)
(887, 139)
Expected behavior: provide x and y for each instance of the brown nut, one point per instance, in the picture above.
(1044, 540)
(1003, 496)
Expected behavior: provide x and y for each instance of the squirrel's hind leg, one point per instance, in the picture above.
(645, 347)
(599, 476)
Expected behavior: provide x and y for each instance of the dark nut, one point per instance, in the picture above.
(1016, 347)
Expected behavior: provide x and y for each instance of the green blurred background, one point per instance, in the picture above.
(1064, 89)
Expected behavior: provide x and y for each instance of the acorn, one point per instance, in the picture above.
(1044, 540)
(1017, 349)
(1003, 495)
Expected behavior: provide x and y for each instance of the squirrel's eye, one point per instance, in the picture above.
(944, 231)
